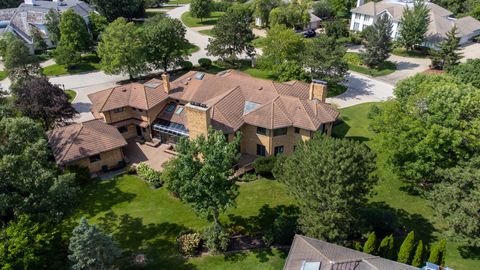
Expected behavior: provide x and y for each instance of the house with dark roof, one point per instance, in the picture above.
(312, 254)
(441, 20)
(92, 144)
(31, 16)
(272, 116)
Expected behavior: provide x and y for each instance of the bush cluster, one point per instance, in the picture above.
(205, 62)
(216, 239)
(189, 243)
(150, 175)
(264, 165)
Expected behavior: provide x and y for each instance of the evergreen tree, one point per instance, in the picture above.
(370, 245)
(90, 248)
(448, 53)
(378, 42)
(386, 248)
(414, 25)
(442, 251)
(418, 257)
(435, 256)
(406, 249)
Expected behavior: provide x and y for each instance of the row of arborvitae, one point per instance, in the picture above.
(410, 252)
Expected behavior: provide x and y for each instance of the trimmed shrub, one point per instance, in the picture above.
(386, 248)
(248, 177)
(150, 175)
(205, 62)
(418, 257)
(186, 65)
(370, 244)
(264, 165)
(82, 174)
(189, 243)
(216, 239)
(282, 230)
(438, 253)
(406, 249)
(357, 246)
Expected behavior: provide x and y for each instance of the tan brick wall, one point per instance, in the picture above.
(131, 133)
(128, 113)
(198, 120)
(155, 111)
(318, 91)
(109, 158)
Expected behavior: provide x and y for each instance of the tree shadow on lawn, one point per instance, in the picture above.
(341, 128)
(101, 196)
(264, 220)
(156, 241)
(263, 255)
(468, 252)
(384, 220)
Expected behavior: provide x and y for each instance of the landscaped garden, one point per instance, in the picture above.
(355, 63)
(191, 21)
(391, 193)
(146, 220)
(89, 62)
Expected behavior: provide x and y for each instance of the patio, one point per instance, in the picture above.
(136, 152)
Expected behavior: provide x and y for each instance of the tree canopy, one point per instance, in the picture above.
(262, 9)
(432, 124)
(114, 9)
(201, 8)
(414, 25)
(52, 22)
(232, 34)
(467, 73)
(282, 45)
(329, 178)
(378, 42)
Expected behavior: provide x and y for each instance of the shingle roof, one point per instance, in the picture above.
(228, 93)
(331, 256)
(82, 140)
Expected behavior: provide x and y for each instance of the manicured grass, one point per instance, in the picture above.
(190, 21)
(3, 75)
(355, 64)
(414, 54)
(151, 12)
(89, 63)
(192, 48)
(144, 220)
(71, 95)
(207, 32)
(179, 2)
(259, 42)
(413, 211)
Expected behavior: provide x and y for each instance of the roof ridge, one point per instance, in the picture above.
(108, 97)
(282, 109)
(314, 248)
(305, 110)
(145, 94)
(228, 93)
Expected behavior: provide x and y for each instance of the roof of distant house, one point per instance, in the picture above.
(81, 140)
(235, 98)
(324, 255)
(25, 18)
(441, 20)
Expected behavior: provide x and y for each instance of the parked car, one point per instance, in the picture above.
(310, 33)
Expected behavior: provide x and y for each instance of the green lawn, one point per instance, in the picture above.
(190, 21)
(208, 32)
(414, 54)
(391, 193)
(192, 48)
(355, 64)
(71, 95)
(3, 75)
(335, 89)
(179, 2)
(146, 220)
(89, 63)
(151, 12)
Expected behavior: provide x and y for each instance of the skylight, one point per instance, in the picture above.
(179, 110)
(170, 107)
(249, 106)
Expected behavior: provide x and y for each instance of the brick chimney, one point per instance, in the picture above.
(166, 82)
(318, 90)
(198, 119)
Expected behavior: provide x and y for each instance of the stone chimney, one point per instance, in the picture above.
(166, 82)
(318, 90)
(198, 119)
(30, 2)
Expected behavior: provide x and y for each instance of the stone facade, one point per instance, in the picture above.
(111, 159)
(198, 119)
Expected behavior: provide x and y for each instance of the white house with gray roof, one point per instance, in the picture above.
(441, 20)
(31, 14)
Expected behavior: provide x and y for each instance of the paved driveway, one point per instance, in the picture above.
(406, 67)
(471, 51)
(362, 89)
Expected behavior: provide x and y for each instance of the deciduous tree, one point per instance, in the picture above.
(378, 42)
(467, 73)
(414, 25)
(114, 9)
(53, 25)
(201, 8)
(203, 167)
(330, 179)
(282, 45)
(97, 24)
(232, 35)
(40, 100)
(262, 9)
(165, 43)
(19, 63)
(121, 49)
(90, 248)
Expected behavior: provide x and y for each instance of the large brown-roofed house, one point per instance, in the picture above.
(92, 144)
(311, 254)
(271, 116)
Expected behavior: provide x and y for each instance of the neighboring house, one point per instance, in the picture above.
(312, 254)
(271, 116)
(441, 20)
(30, 15)
(92, 144)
